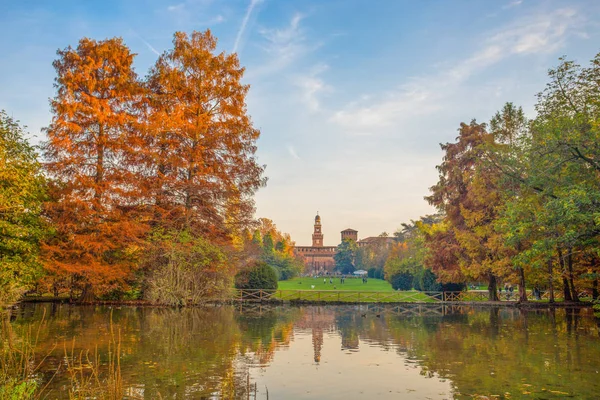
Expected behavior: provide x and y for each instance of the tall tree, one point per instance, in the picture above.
(89, 145)
(468, 194)
(199, 140)
(22, 191)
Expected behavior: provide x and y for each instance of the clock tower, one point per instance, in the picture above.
(317, 237)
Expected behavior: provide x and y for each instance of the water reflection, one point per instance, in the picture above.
(334, 352)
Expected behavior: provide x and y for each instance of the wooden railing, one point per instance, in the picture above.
(348, 296)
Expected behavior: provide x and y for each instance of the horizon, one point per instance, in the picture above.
(352, 101)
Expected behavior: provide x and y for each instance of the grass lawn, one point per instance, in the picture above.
(355, 284)
(353, 290)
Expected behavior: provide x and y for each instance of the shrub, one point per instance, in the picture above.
(258, 276)
(402, 281)
(426, 281)
(453, 287)
(184, 269)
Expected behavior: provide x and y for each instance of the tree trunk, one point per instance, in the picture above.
(566, 291)
(574, 294)
(550, 282)
(595, 289)
(492, 288)
(87, 295)
(522, 289)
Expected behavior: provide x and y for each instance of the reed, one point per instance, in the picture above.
(19, 364)
(86, 375)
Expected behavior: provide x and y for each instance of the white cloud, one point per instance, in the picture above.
(539, 33)
(514, 3)
(282, 47)
(176, 7)
(311, 86)
(424, 95)
(242, 29)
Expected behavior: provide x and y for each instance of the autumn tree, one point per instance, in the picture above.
(22, 191)
(557, 171)
(199, 141)
(95, 199)
(468, 195)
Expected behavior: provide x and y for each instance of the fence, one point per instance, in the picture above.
(341, 296)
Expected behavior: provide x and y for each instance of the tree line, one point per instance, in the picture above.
(518, 199)
(143, 183)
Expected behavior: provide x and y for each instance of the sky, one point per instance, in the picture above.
(352, 97)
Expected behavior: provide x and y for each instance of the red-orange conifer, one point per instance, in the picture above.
(89, 144)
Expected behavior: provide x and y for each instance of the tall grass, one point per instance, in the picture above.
(20, 376)
(18, 364)
(87, 380)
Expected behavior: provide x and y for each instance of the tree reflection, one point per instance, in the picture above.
(210, 352)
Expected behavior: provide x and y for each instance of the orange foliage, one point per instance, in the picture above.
(175, 151)
(199, 144)
(94, 203)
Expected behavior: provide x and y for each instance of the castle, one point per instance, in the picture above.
(318, 259)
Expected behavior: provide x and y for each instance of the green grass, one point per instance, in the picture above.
(354, 284)
(352, 291)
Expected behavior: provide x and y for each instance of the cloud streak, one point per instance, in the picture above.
(311, 86)
(424, 95)
(292, 152)
(240, 34)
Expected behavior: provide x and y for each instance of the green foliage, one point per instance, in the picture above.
(22, 191)
(184, 269)
(402, 280)
(12, 389)
(285, 266)
(345, 255)
(426, 281)
(258, 276)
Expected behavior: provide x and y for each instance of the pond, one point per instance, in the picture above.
(324, 352)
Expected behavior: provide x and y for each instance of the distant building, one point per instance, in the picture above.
(318, 259)
(349, 234)
(376, 240)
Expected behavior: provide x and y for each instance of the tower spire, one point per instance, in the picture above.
(317, 237)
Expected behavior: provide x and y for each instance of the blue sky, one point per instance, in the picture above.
(352, 97)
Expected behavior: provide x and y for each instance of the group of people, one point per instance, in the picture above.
(342, 279)
(508, 288)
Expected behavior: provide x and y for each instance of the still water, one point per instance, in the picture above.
(327, 352)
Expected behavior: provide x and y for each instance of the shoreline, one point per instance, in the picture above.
(148, 304)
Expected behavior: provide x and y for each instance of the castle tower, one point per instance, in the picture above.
(350, 234)
(317, 237)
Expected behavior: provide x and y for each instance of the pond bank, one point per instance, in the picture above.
(145, 303)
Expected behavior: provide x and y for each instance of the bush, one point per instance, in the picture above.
(184, 269)
(426, 281)
(402, 281)
(453, 287)
(258, 276)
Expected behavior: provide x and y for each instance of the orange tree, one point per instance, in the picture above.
(199, 142)
(94, 207)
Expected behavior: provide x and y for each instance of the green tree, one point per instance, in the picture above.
(257, 276)
(345, 255)
(22, 191)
